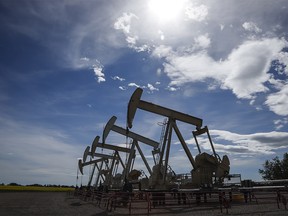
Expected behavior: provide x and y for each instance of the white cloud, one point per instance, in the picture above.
(247, 65)
(98, 70)
(161, 35)
(141, 48)
(196, 13)
(202, 41)
(162, 51)
(124, 22)
(118, 78)
(222, 27)
(84, 59)
(264, 143)
(251, 27)
(279, 123)
(123, 88)
(131, 40)
(158, 71)
(278, 102)
(101, 79)
(133, 85)
(171, 88)
(282, 58)
(151, 87)
(182, 69)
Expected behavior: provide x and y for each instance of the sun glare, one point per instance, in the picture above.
(166, 10)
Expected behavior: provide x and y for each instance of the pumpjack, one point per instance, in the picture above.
(114, 178)
(106, 173)
(129, 173)
(207, 170)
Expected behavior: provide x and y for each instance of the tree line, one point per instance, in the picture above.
(275, 169)
(37, 185)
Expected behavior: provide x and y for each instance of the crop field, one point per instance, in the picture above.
(8, 188)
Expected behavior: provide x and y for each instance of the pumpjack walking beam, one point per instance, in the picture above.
(94, 154)
(96, 144)
(135, 103)
(81, 164)
(111, 126)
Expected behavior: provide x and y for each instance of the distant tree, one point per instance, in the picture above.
(35, 185)
(14, 184)
(275, 169)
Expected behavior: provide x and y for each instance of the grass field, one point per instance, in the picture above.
(34, 188)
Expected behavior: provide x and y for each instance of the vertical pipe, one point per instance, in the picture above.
(168, 150)
(164, 142)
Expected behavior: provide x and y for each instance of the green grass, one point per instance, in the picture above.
(34, 188)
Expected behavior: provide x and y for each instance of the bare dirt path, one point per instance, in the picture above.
(44, 204)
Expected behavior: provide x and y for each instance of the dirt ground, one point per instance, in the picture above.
(60, 203)
(45, 203)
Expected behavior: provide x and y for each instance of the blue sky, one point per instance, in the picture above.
(66, 67)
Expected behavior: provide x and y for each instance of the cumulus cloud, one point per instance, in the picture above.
(282, 62)
(171, 88)
(278, 102)
(151, 87)
(124, 24)
(196, 12)
(118, 78)
(202, 41)
(279, 123)
(98, 71)
(133, 85)
(264, 143)
(248, 65)
(161, 52)
(251, 27)
(123, 88)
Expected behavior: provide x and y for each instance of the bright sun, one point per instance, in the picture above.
(166, 10)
